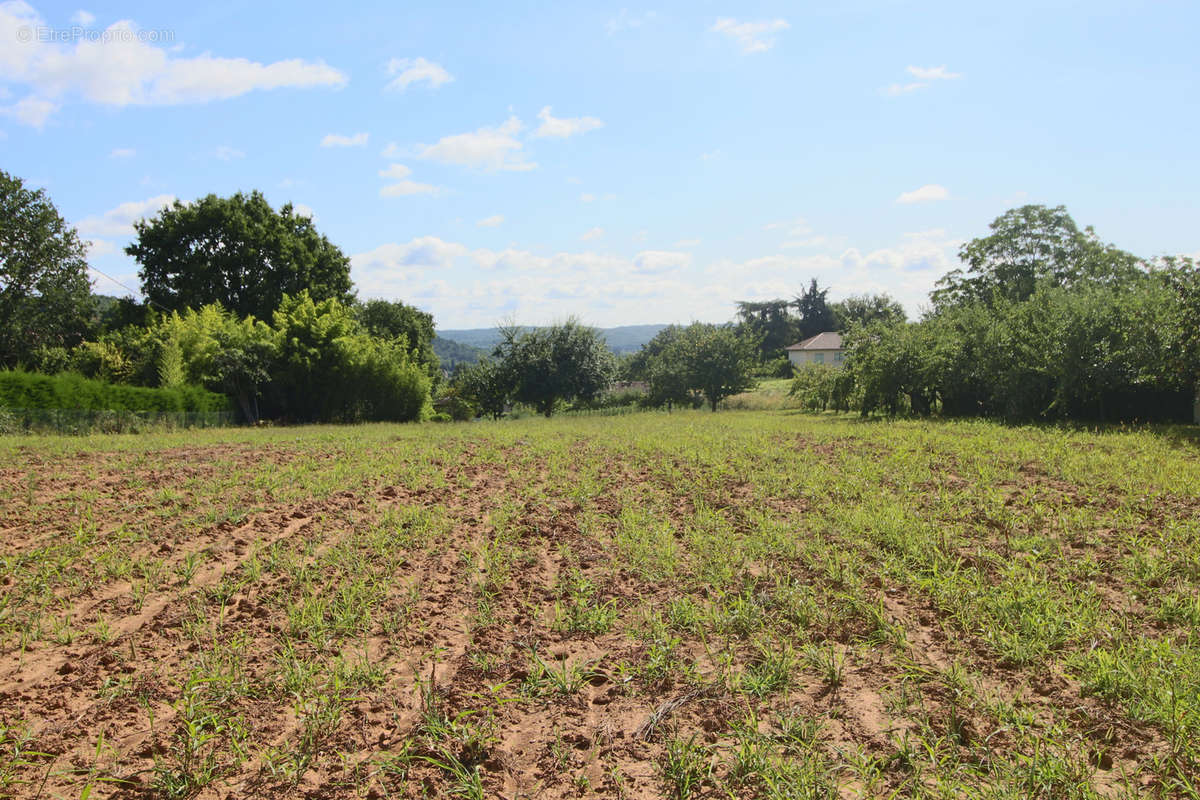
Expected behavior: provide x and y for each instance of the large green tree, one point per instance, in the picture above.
(236, 251)
(45, 297)
(568, 361)
(864, 309)
(769, 323)
(813, 311)
(717, 360)
(1028, 247)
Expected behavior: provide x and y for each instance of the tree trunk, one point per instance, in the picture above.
(1196, 407)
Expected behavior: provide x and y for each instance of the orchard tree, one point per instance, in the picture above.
(236, 251)
(45, 296)
(485, 385)
(568, 361)
(717, 360)
(661, 365)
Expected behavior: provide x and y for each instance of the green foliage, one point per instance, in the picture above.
(717, 360)
(1032, 246)
(822, 387)
(170, 365)
(30, 391)
(327, 368)
(702, 362)
(770, 324)
(813, 312)
(485, 385)
(563, 362)
(864, 309)
(451, 353)
(45, 298)
(236, 251)
(386, 319)
(1094, 351)
(1048, 323)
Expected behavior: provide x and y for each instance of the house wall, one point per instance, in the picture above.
(832, 358)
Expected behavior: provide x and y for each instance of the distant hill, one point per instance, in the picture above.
(621, 339)
(450, 352)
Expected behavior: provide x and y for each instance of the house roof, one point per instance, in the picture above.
(829, 340)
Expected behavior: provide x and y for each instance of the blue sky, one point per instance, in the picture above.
(626, 164)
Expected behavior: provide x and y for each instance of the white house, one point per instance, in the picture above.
(824, 348)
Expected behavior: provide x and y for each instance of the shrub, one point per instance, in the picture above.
(32, 392)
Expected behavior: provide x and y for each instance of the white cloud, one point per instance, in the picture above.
(490, 148)
(407, 188)
(592, 234)
(687, 243)
(100, 247)
(466, 287)
(396, 171)
(933, 73)
(407, 71)
(931, 252)
(491, 222)
(795, 227)
(338, 140)
(709, 156)
(587, 197)
(657, 261)
(897, 89)
(83, 18)
(403, 187)
(31, 111)
(123, 152)
(812, 241)
(923, 76)
(927, 193)
(117, 222)
(227, 153)
(125, 67)
(752, 37)
(566, 126)
(302, 210)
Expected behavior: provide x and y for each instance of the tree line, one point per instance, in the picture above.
(1043, 321)
(239, 299)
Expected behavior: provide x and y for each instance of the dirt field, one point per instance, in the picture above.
(695, 605)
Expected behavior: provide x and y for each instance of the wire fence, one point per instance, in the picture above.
(78, 421)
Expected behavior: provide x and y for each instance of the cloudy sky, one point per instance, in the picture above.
(627, 164)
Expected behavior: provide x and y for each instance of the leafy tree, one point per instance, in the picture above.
(485, 385)
(236, 251)
(812, 308)
(326, 368)
(864, 309)
(770, 324)
(1182, 276)
(568, 361)
(45, 297)
(393, 320)
(718, 360)
(1031, 246)
(660, 364)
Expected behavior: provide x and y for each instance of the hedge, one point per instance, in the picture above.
(28, 391)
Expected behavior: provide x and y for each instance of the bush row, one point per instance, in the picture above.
(31, 391)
